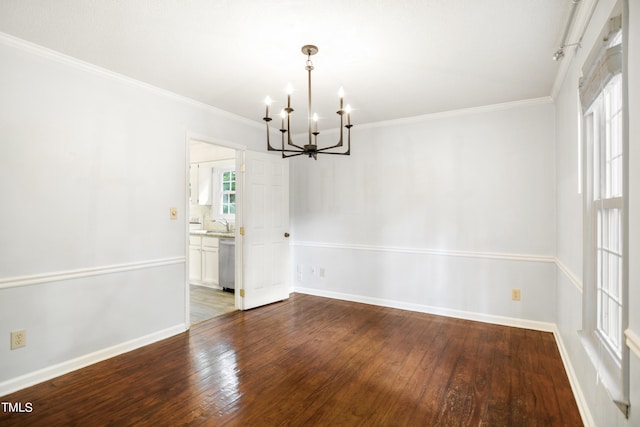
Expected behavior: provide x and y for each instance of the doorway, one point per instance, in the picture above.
(212, 219)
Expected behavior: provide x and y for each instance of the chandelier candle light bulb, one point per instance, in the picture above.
(311, 148)
(267, 101)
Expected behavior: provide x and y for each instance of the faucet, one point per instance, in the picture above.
(222, 221)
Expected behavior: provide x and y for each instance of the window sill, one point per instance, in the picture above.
(633, 342)
(608, 371)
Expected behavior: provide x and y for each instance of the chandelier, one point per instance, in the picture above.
(290, 149)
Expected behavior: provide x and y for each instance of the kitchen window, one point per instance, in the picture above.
(228, 192)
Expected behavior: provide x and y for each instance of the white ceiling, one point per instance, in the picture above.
(395, 58)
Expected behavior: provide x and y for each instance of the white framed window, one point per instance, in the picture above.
(225, 192)
(228, 192)
(605, 148)
(605, 115)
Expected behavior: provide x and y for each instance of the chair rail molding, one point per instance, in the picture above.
(429, 251)
(12, 282)
(633, 342)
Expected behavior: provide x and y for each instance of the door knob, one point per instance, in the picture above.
(286, 234)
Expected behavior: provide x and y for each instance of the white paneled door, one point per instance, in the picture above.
(265, 218)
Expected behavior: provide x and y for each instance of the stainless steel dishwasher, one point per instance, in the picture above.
(226, 264)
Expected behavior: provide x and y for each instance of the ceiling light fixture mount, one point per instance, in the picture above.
(311, 148)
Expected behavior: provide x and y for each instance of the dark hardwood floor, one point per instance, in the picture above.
(315, 361)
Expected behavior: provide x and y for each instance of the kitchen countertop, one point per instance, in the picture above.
(212, 234)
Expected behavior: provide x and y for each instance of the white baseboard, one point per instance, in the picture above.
(587, 419)
(440, 311)
(54, 371)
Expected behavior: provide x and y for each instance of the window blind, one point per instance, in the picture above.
(602, 65)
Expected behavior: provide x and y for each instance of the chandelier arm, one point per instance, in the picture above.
(340, 112)
(286, 150)
(294, 145)
(289, 140)
(272, 148)
(298, 153)
(269, 147)
(328, 148)
(339, 144)
(283, 131)
(346, 153)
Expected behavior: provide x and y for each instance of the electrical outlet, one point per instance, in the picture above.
(515, 294)
(18, 339)
(173, 213)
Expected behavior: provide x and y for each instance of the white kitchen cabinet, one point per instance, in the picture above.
(203, 260)
(201, 183)
(195, 259)
(205, 183)
(193, 183)
(210, 260)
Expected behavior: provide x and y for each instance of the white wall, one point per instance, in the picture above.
(569, 222)
(445, 213)
(90, 164)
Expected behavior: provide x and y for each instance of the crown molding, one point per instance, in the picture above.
(53, 55)
(460, 112)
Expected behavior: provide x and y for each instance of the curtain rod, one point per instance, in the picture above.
(559, 54)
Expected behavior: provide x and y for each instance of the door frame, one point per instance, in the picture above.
(240, 149)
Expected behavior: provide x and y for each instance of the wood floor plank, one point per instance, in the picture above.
(316, 361)
(402, 395)
(438, 367)
(501, 387)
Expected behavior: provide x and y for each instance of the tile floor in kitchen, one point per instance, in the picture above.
(207, 303)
